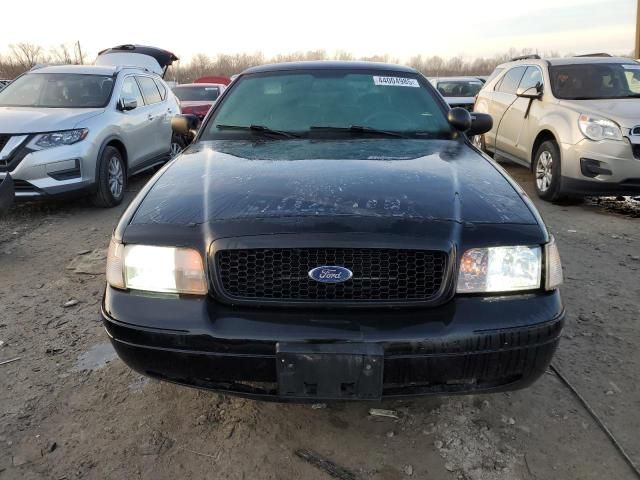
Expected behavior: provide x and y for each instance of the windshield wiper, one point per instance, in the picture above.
(359, 130)
(258, 129)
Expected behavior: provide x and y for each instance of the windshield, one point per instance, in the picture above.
(459, 88)
(58, 90)
(197, 94)
(322, 102)
(595, 81)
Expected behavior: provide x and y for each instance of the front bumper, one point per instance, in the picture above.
(6, 193)
(616, 158)
(471, 344)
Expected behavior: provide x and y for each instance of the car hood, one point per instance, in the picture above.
(21, 120)
(624, 111)
(374, 178)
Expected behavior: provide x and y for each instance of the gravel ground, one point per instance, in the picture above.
(70, 409)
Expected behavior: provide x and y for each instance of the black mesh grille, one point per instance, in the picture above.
(379, 275)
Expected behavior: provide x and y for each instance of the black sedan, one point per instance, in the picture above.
(333, 234)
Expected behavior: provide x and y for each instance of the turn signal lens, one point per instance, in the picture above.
(553, 266)
(115, 264)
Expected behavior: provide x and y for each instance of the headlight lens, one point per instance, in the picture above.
(599, 128)
(156, 269)
(500, 269)
(56, 139)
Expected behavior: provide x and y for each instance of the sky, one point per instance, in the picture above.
(402, 29)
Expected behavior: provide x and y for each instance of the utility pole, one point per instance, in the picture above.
(636, 51)
(82, 59)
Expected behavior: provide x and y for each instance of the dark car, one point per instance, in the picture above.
(333, 234)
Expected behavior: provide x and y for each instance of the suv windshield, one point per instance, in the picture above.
(58, 90)
(197, 94)
(459, 88)
(595, 81)
(329, 103)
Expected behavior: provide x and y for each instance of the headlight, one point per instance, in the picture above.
(156, 269)
(500, 269)
(599, 128)
(56, 139)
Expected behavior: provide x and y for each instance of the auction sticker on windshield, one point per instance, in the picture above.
(396, 81)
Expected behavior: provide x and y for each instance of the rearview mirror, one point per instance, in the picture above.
(480, 123)
(459, 118)
(127, 103)
(531, 92)
(185, 124)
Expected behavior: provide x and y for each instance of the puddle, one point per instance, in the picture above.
(95, 358)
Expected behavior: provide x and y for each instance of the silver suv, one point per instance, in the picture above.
(84, 129)
(574, 121)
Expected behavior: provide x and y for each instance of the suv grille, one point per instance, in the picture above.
(379, 275)
(3, 140)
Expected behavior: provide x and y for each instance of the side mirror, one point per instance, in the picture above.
(531, 92)
(480, 123)
(185, 124)
(460, 119)
(127, 103)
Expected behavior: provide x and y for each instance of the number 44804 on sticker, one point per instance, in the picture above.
(396, 81)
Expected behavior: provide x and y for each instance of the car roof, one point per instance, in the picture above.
(469, 78)
(329, 65)
(567, 61)
(84, 69)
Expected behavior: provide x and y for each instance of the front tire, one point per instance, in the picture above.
(178, 144)
(547, 170)
(112, 179)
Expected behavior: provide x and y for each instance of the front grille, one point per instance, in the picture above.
(23, 186)
(379, 275)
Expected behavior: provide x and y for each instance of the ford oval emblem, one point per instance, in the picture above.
(330, 274)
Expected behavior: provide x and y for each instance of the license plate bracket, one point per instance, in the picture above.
(330, 370)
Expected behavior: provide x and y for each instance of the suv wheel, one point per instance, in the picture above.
(177, 146)
(547, 171)
(112, 179)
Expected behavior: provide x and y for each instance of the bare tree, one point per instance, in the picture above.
(27, 54)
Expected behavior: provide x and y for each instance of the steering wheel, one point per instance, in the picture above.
(387, 116)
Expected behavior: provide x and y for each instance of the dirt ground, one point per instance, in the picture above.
(70, 409)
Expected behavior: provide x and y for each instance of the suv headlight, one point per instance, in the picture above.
(56, 139)
(500, 269)
(156, 269)
(599, 128)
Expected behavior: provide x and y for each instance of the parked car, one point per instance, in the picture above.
(458, 91)
(574, 121)
(84, 129)
(333, 234)
(197, 98)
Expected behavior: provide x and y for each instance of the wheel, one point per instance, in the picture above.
(479, 142)
(547, 170)
(112, 178)
(177, 145)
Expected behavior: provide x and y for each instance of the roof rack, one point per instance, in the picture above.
(534, 56)
(601, 54)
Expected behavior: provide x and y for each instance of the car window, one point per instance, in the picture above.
(130, 89)
(297, 101)
(162, 89)
(58, 90)
(459, 88)
(149, 90)
(593, 81)
(495, 73)
(195, 94)
(532, 77)
(511, 80)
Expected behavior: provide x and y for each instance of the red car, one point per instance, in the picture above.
(197, 98)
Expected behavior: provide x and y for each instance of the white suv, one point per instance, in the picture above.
(85, 129)
(574, 121)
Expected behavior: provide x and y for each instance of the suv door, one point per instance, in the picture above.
(513, 137)
(159, 140)
(504, 95)
(135, 126)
